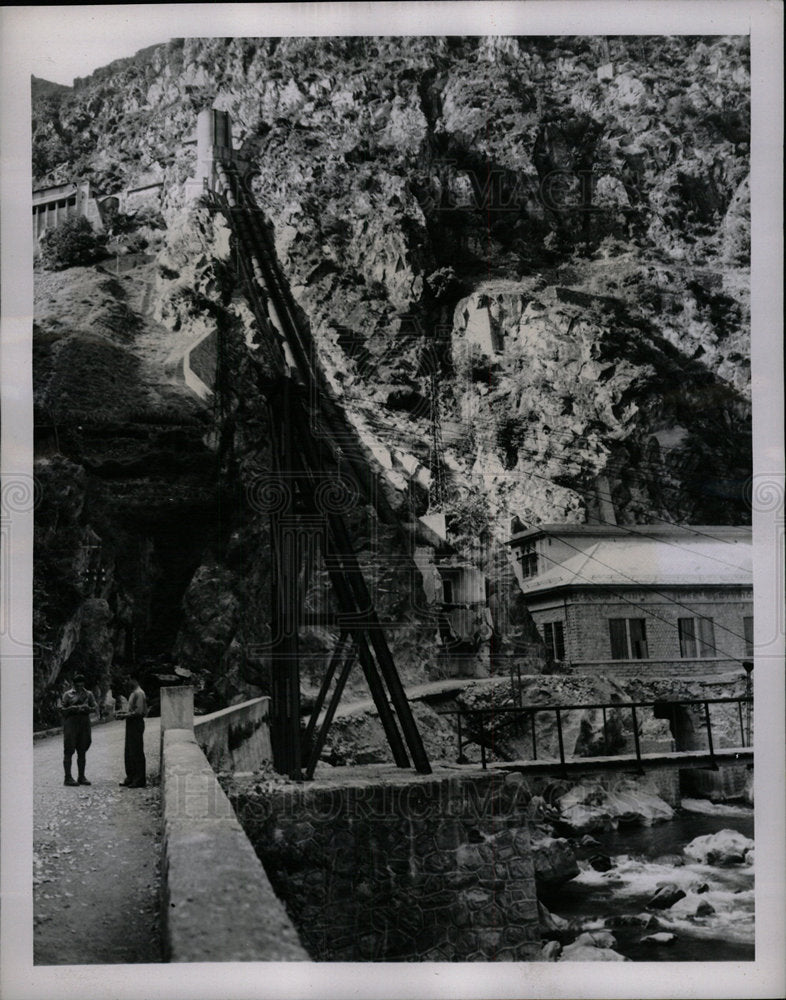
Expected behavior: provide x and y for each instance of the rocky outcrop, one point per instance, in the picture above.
(123, 471)
(587, 340)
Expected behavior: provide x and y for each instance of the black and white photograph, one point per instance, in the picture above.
(393, 510)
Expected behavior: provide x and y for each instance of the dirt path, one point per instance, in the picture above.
(96, 856)
(416, 692)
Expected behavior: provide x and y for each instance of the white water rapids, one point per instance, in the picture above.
(645, 858)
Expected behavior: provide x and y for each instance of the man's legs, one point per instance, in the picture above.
(83, 745)
(127, 756)
(69, 745)
(135, 752)
(67, 767)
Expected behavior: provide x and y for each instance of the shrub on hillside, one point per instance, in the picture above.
(72, 244)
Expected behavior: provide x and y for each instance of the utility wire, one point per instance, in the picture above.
(671, 600)
(687, 527)
(652, 613)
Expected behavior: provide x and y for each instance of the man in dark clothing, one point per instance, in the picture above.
(76, 706)
(135, 743)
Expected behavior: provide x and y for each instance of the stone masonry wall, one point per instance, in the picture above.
(396, 867)
(587, 641)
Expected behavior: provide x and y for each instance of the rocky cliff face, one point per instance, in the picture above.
(551, 233)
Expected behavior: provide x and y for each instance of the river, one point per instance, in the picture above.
(637, 855)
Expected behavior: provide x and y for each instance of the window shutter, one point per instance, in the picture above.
(638, 638)
(559, 641)
(619, 638)
(706, 643)
(747, 628)
(687, 638)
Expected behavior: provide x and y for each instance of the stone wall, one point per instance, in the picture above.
(375, 864)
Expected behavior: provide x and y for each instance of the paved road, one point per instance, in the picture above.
(96, 855)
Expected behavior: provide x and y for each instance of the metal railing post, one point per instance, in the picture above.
(742, 725)
(534, 741)
(482, 740)
(559, 737)
(460, 741)
(605, 734)
(714, 764)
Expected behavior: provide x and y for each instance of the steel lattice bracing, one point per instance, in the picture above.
(303, 527)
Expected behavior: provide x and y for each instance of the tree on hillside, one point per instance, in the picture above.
(71, 244)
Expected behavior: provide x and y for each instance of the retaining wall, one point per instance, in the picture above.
(375, 864)
(218, 904)
(236, 738)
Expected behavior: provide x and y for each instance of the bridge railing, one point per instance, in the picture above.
(475, 721)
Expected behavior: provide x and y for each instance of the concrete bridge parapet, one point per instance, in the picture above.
(218, 904)
(236, 738)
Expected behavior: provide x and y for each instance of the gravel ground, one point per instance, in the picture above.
(96, 852)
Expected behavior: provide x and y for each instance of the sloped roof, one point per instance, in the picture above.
(625, 561)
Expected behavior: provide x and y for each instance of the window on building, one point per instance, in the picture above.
(747, 629)
(628, 638)
(697, 637)
(528, 558)
(554, 638)
(447, 591)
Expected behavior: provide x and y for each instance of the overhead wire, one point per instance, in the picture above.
(638, 583)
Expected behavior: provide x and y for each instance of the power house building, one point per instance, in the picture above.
(648, 600)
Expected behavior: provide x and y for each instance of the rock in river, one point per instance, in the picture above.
(591, 806)
(666, 896)
(662, 937)
(589, 948)
(554, 861)
(727, 847)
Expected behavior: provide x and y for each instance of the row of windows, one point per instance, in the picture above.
(50, 206)
(628, 637)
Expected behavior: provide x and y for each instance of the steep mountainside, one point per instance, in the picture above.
(551, 234)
